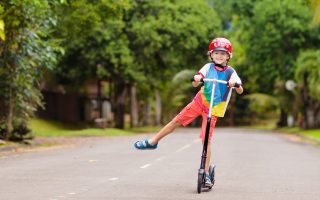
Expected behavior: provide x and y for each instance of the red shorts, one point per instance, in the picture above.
(192, 111)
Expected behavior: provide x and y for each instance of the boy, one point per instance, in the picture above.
(220, 52)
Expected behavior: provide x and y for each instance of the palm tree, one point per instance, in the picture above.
(315, 7)
(307, 75)
(177, 93)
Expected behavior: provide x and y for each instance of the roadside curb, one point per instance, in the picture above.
(300, 138)
(42, 143)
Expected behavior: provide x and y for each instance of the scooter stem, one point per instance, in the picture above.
(206, 138)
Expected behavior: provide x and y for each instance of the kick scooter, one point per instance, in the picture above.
(201, 173)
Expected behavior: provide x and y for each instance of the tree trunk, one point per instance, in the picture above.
(317, 118)
(134, 107)
(8, 101)
(9, 125)
(147, 114)
(312, 114)
(120, 106)
(99, 98)
(309, 106)
(310, 117)
(158, 108)
(283, 119)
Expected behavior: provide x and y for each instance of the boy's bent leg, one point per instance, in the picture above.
(208, 160)
(209, 180)
(202, 135)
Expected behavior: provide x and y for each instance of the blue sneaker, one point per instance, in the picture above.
(208, 181)
(144, 145)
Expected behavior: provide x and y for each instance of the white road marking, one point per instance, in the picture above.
(113, 179)
(183, 148)
(72, 193)
(145, 166)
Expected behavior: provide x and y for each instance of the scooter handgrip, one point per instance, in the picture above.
(201, 80)
(237, 85)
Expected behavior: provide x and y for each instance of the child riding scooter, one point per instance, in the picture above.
(210, 102)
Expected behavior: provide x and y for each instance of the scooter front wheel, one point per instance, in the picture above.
(200, 182)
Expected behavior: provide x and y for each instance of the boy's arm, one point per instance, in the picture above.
(236, 79)
(196, 81)
(239, 90)
(201, 74)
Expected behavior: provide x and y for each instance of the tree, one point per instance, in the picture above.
(177, 93)
(25, 51)
(307, 75)
(315, 6)
(166, 37)
(91, 32)
(96, 48)
(272, 35)
(122, 41)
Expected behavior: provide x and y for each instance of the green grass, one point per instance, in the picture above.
(313, 134)
(47, 128)
(261, 126)
(269, 124)
(145, 129)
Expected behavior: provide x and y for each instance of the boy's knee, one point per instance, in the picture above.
(175, 122)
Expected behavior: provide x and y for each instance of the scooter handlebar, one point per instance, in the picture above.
(237, 85)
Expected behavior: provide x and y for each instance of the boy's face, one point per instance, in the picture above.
(220, 57)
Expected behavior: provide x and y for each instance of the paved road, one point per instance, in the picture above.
(251, 164)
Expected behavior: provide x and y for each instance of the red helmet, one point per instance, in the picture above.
(221, 44)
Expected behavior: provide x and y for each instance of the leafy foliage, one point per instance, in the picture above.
(26, 51)
(262, 105)
(167, 36)
(315, 6)
(272, 39)
(308, 65)
(307, 75)
(145, 43)
(94, 42)
(177, 93)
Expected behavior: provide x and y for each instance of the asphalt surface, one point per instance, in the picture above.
(250, 164)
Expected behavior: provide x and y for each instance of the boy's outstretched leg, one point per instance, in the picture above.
(167, 129)
(153, 142)
(186, 116)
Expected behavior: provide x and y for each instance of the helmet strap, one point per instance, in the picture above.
(220, 66)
